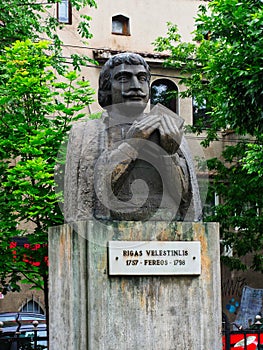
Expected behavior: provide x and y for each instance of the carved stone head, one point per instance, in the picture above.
(125, 80)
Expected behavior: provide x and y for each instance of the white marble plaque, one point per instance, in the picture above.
(142, 258)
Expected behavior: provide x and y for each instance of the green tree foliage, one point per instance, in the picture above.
(33, 19)
(36, 109)
(223, 68)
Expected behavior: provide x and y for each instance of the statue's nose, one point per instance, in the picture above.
(135, 83)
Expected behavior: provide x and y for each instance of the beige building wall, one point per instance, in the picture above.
(148, 20)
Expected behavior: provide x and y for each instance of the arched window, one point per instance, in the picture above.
(165, 91)
(120, 25)
(32, 306)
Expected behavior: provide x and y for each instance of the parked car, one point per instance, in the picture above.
(18, 331)
(22, 316)
(237, 341)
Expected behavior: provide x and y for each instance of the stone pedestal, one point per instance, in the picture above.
(90, 310)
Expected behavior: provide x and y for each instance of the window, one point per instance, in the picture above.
(209, 198)
(201, 115)
(120, 25)
(64, 12)
(32, 306)
(165, 91)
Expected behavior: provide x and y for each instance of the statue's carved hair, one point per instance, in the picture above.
(104, 93)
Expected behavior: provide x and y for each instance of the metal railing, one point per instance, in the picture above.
(240, 338)
(29, 339)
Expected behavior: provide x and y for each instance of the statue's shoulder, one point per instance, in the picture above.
(84, 130)
(88, 125)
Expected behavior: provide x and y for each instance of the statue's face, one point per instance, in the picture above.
(130, 88)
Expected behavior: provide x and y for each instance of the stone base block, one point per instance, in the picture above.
(90, 310)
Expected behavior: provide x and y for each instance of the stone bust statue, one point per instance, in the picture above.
(129, 165)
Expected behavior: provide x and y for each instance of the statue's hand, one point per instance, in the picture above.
(144, 128)
(171, 135)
